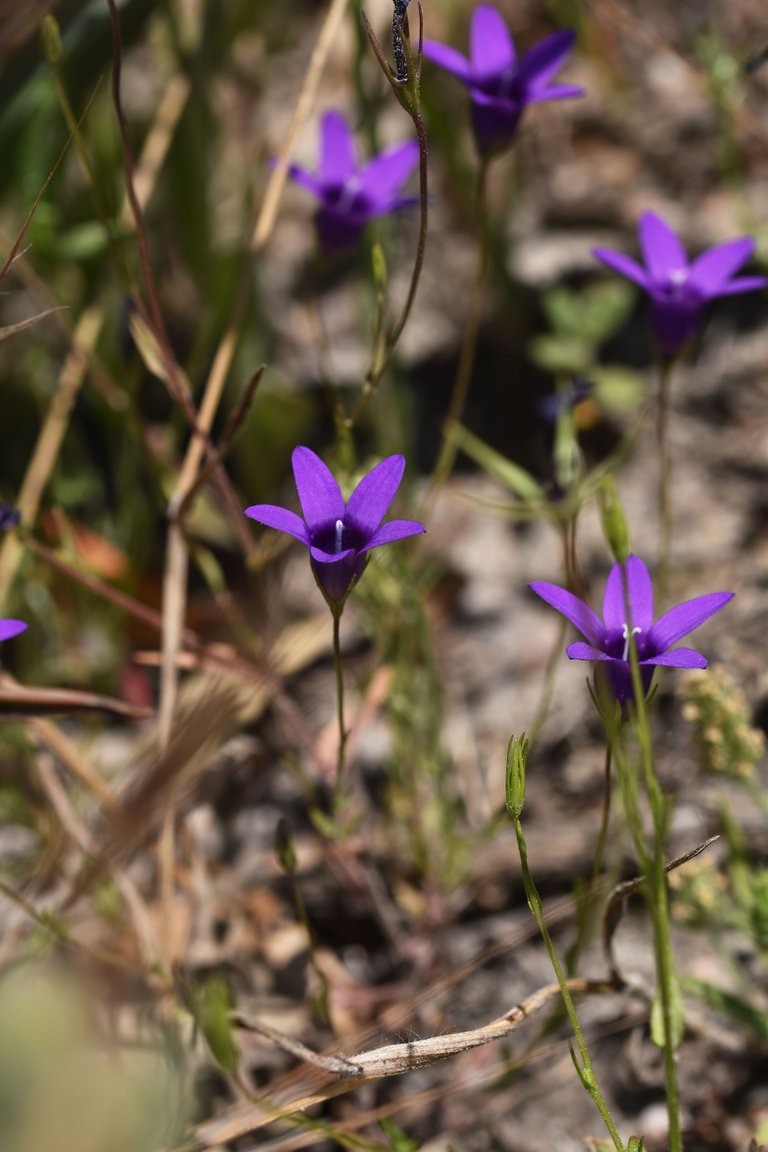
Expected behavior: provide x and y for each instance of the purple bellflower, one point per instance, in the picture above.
(350, 194)
(680, 290)
(500, 86)
(339, 536)
(608, 639)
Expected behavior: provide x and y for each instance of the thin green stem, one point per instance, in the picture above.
(605, 820)
(586, 1071)
(471, 332)
(655, 889)
(421, 243)
(384, 344)
(340, 760)
(665, 477)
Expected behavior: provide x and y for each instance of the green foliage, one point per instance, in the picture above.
(212, 1006)
(517, 755)
(727, 741)
(397, 1139)
(58, 1086)
(581, 321)
(677, 1017)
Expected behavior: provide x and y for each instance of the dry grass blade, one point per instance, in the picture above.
(195, 732)
(80, 357)
(50, 439)
(389, 1060)
(17, 700)
(304, 105)
(14, 329)
(621, 893)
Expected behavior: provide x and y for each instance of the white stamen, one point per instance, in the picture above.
(339, 534)
(626, 634)
(348, 193)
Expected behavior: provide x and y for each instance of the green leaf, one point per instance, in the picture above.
(677, 1017)
(563, 311)
(511, 475)
(517, 755)
(212, 1012)
(604, 308)
(729, 1005)
(561, 353)
(618, 389)
(83, 242)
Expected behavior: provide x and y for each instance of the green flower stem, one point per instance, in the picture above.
(586, 1071)
(471, 332)
(655, 889)
(421, 243)
(605, 819)
(340, 759)
(665, 477)
(408, 94)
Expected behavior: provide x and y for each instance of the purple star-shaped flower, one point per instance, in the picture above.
(501, 86)
(339, 536)
(351, 195)
(608, 639)
(679, 290)
(10, 628)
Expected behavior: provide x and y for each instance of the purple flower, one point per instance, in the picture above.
(9, 628)
(339, 536)
(351, 195)
(679, 290)
(501, 86)
(608, 639)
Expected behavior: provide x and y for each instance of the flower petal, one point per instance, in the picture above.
(580, 614)
(678, 658)
(337, 149)
(624, 265)
(307, 180)
(662, 250)
(281, 518)
(448, 58)
(684, 618)
(320, 496)
(554, 92)
(582, 651)
(743, 284)
(393, 530)
(382, 176)
(9, 628)
(674, 322)
(491, 49)
(336, 572)
(640, 593)
(320, 556)
(711, 271)
(538, 66)
(369, 502)
(494, 121)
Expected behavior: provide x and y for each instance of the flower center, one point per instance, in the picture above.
(627, 635)
(506, 82)
(345, 198)
(338, 538)
(675, 285)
